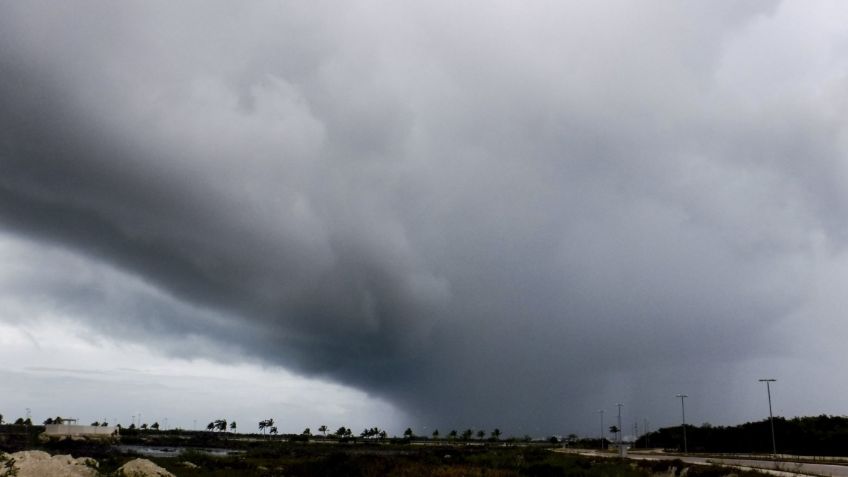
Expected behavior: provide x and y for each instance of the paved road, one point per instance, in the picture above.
(784, 466)
(780, 466)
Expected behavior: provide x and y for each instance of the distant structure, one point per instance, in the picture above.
(69, 428)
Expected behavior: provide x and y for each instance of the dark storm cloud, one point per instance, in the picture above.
(491, 216)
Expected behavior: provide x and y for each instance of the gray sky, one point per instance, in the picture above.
(486, 214)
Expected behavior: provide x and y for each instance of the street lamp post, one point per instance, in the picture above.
(618, 438)
(771, 419)
(601, 412)
(683, 411)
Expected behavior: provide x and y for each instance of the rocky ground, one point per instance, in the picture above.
(42, 464)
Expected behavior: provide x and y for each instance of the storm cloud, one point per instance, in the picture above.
(486, 213)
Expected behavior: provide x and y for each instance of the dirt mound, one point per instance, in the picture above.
(142, 468)
(42, 464)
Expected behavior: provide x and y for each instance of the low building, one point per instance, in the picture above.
(74, 430)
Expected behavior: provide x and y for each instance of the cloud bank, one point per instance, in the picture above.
(488, 214)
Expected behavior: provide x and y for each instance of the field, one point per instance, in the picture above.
(299, 460)
(265, 457)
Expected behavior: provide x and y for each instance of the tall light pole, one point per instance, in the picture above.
(601, 412)
(771, 419)
(619, 425)
(683, 410)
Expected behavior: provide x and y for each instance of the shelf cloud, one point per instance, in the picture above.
(488, 214)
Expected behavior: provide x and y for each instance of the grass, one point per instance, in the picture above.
(320, 461)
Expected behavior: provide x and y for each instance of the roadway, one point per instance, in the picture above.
(775, 467)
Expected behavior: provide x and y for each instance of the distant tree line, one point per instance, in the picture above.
(374, 433)
(268, 427)
(819, 435)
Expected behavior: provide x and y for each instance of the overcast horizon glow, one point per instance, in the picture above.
(487, 214)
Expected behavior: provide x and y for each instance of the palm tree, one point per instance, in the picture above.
(221, 425)
(373, 432)
(144, 426)
(307, 432)
(466, 434)
(408, 433)
(481, 434)
(614, 430)
(233, 426)
(273, 431)
(265, 424)
(341, 432)
(496, 434)
(155, 426)
(452, 434)
(436, 434)
(210, 426)
(323, 430)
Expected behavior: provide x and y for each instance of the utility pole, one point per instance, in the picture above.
(771, 419)
(683, 410)
(646, 433)
(603, 444)
(619, 425)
